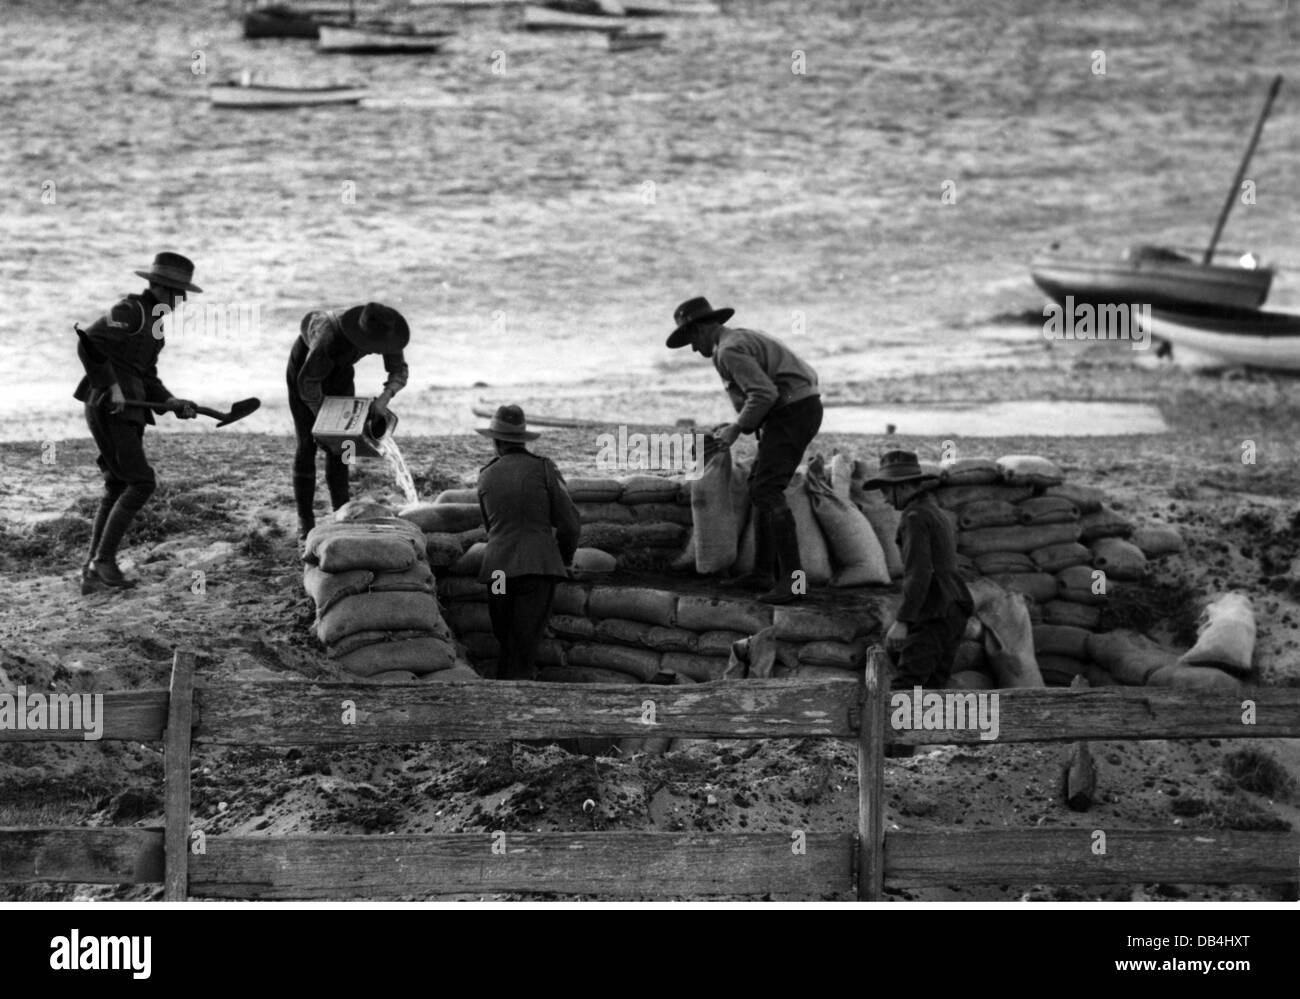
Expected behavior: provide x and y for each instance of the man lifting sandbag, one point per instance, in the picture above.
(777, 398)
(533, 527)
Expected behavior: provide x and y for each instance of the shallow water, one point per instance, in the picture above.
(538, 226)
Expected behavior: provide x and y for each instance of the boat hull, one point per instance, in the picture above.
(545, 19)
(1212, 339)
(265, 97)
(372, 41)
(1155, 282)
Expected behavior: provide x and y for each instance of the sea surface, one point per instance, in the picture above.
(538, 214)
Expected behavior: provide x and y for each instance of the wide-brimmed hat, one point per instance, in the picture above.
(696, 310)
(172, 270)
(897, 467)
(508, 424)
(375, 328)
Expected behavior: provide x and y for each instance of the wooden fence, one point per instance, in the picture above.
(629, 864)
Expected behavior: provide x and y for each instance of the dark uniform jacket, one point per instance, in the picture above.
(130, 338)
(329, 351)
(532, 523)
(760, 374)
(931, 585)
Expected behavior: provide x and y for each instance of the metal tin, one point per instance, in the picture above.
(344, 418)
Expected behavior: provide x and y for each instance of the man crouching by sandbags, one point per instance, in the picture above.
(776, 396)
(925, 634)
(533, 529)
(323, 362)
(119, 353)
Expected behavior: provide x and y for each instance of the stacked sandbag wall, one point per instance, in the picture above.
(628, 634)
(376, 609)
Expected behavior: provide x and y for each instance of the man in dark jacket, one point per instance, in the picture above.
(936, 603)
(119, 353)
(533, 529)
(776, 396)
(323, 362)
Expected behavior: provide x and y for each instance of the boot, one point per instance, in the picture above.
(304, 498)
(785, 539)
(124, 511)
(89, 581)
(762, 577)
(336, 480)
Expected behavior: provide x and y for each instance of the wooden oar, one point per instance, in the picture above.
(1241, 170)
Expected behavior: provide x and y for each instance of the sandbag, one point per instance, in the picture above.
(583, 674)
(969, 680)
(1008, 639)
(1060, 671)
(650, 489)
(570, 598)
(809, 671)
(1029, 470)
(393, 676)
(756, 657)
(593, 562)
(1038, 586)
(418, 655)
(713, 511)
(685, 559)
(1155, 540)
(380, 612)
(999, 563)
(328, 588)
(1128, 656)
(1119, 559)
(1077, 584)
(1103, 523)
(442, 550)
(956, 497)
(813, 553)
(461, 588)
(471, 537)
(969, 656)
(471, 563)
(987, 513)
(465, 616)
(1098, 677)
(355, 510)
(460, 673)
(1061, 640)
(604, 513)
(841, 475)
(634, 604)
(673, 513)
(1046, 510)
(617, 538)
(378, 545)
(801, 624)
(840, 655)
(464, 495)
(433, 518)
(1054, 558)
(417, 579)
(1015, 539)
(572, 626)
(701, 669)
(969, 472)
(613, 630)
(1194, 678)
(1225, 635)
(1069, 612)
(593, 490)
(640, 663)
(662, 639)
(1086, 499)
(700, 614)
(358, 639)
(550, 652)
(884, 520)
(717, 642)
(850, 539)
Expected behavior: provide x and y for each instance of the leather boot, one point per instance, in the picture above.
(89, 581)
(785, 539)
(124, 511)
(304, 498)
(762, 576)
(336, 480)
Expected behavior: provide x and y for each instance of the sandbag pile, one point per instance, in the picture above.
(641, 520)
(376, 611)
(628, 634)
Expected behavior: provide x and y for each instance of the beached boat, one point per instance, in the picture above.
(670, 8)
(628, 41)
(375, 38)
(284, 21)
(255, 95)
(1212, 339)
(538, 18)
(1151, 275)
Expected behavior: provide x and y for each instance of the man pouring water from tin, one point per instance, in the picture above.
(323, 363)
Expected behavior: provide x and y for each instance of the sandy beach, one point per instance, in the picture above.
(224, 507)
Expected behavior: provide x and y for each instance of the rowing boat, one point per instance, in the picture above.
(1153, 276)
(261, 96)
(537, 18)
(282, 21)
(1212, 339)
(380, 39)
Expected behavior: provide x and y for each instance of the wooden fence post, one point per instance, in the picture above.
(871, 777)
(176, 778)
